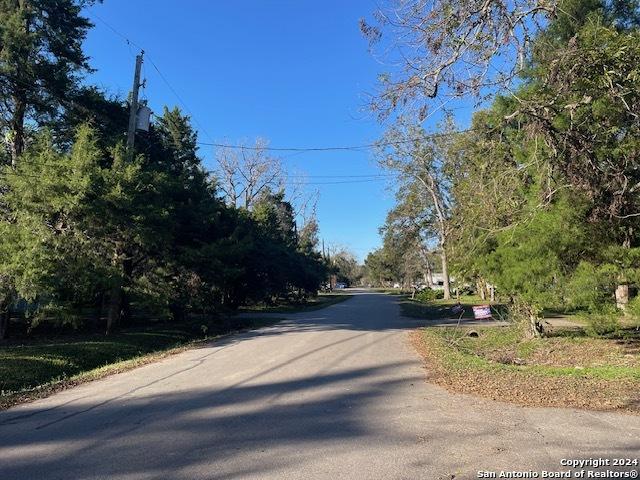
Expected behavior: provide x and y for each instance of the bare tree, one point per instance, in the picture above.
(245, 173)
(305, 203)
(344, 264)
(421, 162)
(450, 48)
(410, 228)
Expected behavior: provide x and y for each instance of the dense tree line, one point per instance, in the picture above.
(343, 266)
(543, 191)
(89, 231)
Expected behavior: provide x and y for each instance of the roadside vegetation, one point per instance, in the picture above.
(34, 368)
(96, 234)
(318, 302)
(137, 243)
(580, 362)
(537, 201)
(534, 206)
(565, 369)
(423, 306)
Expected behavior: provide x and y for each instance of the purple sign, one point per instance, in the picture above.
(481, 312)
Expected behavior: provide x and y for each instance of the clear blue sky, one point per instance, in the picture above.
(295, 72)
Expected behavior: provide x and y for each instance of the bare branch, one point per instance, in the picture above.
(451, 48)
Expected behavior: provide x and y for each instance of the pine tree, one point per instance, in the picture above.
(41, 59)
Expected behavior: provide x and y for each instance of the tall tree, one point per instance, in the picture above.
(423, 160)
(409, 226)
(247, 174)
(379, 269)
(344, 265)
(582, 100)
(84, 227)
(41, 60)
(554, 163)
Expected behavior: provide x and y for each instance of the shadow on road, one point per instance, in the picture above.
(290, 414)
(177, 430)
(359, 313)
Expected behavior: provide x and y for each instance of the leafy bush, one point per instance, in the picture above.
(591, 287)
(634, 307)
(429, 295)
(602, 324)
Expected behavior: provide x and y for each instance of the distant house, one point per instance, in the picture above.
(438, 281)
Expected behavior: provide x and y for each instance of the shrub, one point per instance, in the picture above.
(429, 295)
(591, 287)
(602, 324)
(633, 308)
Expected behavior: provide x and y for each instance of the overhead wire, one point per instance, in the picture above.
(340, 179)
(337, 182)
(157, 69)
(362, 147)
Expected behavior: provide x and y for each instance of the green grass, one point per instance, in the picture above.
(390, 291)
(439, 309)
(459, 353)
(40, 365)
(323, 300)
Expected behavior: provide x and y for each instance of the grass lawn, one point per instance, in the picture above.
(565, 369)
(35, 368)
(390, 291)
(439, 309)
(321, 301)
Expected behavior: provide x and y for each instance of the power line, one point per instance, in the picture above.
(369, 176)
(160, 74)
(373, 175)
(126, 39)
(347, 181)
(361, 147)
(182, 102)
(338, 182)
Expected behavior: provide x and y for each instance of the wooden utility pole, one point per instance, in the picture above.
(117, 297)
(133, 113)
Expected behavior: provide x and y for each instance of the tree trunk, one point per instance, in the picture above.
(445, 274)
(428, 274)
(17, 128)
(5, 315)
(622, 296)
(433, 188)
(529, 314)
(480, 287)
(622, 290)
(115, 307)
(537, 329)
(127, 268)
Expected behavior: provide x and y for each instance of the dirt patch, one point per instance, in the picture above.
(524, 387)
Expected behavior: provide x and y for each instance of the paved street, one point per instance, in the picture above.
(332, 394)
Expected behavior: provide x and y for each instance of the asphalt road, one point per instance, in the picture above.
(332, 394)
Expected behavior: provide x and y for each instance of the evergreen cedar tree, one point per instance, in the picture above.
(84, 230)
